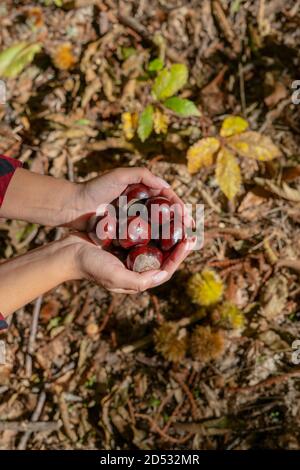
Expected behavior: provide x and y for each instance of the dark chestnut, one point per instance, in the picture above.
(159, 210)
(136, 192)
(173, 236)
(104, 231)
(144, 258)
(136, 232)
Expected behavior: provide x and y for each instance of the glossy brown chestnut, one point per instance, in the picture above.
(174, 235)
(144, 258)
(104, 231)
(159, 210)
(136, 192)
(136, 232)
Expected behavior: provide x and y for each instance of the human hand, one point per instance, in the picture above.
(104, 189)
(105, 269)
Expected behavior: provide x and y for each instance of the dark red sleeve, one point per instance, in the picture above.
(7, 168)
(3, 324)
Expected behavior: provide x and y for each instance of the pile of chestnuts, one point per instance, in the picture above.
(145, 233)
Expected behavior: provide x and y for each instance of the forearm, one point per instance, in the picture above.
(42, 199)
(28, 276)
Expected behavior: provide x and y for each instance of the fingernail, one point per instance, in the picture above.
(160, 276)
(163, 182)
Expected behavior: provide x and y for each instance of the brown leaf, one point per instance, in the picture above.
(279, 93)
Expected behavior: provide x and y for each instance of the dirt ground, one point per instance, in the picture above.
(90, 376)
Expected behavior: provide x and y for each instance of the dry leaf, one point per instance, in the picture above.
(254, 145)
(228, 173)
(279, 93)
(284, 191)
(160, 122)
(201, 153)
(233, 125)
(130, 123)
(63, 58)
(274, 297)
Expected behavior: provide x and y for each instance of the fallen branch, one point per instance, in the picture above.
(35, 416)
(27, 426)
(63, 408)
(155, 428)
(266, 383)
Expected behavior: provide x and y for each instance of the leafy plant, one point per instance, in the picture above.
(167, 83)
(15, 58)
(234, 139)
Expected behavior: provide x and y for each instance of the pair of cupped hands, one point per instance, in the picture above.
(103, 267)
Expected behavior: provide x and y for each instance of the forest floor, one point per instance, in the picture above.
(90, 376)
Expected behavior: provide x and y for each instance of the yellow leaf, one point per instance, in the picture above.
(130, 122)
(228, 173)
(201, 153)
(63, 58)
(233, 125)
(254, 145)
(160, 121)
(205, 288)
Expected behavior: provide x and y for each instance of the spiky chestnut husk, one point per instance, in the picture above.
(171, 341)
(205, 288)
(206, 344)
(228, 315)
(144, 258)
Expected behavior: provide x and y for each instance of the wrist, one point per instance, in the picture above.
(67, 252)
(79, 209)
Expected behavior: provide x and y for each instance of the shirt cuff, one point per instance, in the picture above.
(7, 168)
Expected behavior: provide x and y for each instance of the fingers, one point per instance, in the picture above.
(129, 282)
(179, 254)
(133, 175)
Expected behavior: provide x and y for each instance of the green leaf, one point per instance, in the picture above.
(14, 59)
(155, 65)
(170, 81)
(145, 126)
(127, 52)
(182, 106)
(82, 122)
